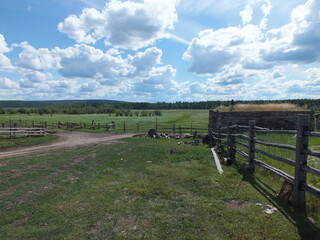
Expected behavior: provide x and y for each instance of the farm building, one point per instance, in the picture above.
(317, 116)
(276, 119)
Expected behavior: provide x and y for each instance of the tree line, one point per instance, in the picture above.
(125, 108)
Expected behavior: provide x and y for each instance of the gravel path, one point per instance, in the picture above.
(66, 140)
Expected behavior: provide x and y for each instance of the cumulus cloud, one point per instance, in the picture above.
(297, 41)
(6, 83)
(86, 69)
(3, 45)
(160, 81)
(38, 77)
(5, 63)
(37, 59)
(212, 50)
(143, 62)
(252, 50)
(123, 24)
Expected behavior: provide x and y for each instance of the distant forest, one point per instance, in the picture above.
(111, 107)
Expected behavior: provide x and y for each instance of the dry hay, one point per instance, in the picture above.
(261, 107)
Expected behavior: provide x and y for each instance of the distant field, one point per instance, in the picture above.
(198, 118)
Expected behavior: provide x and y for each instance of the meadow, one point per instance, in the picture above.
(141, 189)
(146, 188)
(184, 118)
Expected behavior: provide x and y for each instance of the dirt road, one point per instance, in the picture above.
(66, 140)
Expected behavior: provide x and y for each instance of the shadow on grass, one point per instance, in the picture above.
(297, 216)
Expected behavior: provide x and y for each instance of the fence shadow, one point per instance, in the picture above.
(297, 216)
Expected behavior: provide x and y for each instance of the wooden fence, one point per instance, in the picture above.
(229, 136)
(117, 126)
(19, 132)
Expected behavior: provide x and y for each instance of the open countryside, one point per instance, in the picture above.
(107, 184)
(160, 120)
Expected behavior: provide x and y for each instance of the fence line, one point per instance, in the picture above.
(302, 151)
(118, 126)
(14, 132)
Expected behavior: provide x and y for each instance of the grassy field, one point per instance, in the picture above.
(198, 118)
(141, 188)
(26, 141)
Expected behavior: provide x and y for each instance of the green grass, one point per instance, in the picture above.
(198, 118)
(141, 188)
(25, 141)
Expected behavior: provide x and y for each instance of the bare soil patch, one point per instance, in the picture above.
(66, 140)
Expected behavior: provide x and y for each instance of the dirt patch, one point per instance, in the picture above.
(237, 204)
(66, 140)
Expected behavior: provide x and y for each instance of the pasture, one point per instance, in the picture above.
(145, 188)
(185, 118)
(141, 188)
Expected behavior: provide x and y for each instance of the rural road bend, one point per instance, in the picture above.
(66, 140)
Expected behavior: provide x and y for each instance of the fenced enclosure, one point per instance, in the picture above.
(247, 141)
(14, 132)
(109, 126)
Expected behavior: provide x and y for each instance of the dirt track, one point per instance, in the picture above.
(66, 139)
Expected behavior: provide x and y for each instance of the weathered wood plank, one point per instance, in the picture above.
(276, 171)
(284, 146)
(280, 159)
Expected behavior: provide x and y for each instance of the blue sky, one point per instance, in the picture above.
(151, 50)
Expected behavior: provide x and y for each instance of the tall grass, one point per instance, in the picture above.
(261, 107)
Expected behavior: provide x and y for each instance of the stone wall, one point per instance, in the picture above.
(318, 121)
(268, 119)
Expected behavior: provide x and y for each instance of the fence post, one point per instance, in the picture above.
(156, 124)
(124, 127)
(299, 196)
(231, 153)
(252, 153)
(218, 136)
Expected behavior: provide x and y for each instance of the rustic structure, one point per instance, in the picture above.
(268, 119)
(317, 116)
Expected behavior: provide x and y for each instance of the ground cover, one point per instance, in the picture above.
(26, 141)
(141, 188)
(185, 118)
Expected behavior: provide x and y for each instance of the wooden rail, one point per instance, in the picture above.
(301, 152)
(15, 132)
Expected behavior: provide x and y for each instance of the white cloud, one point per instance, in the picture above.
(123, 24)
(143, 62)
(6, 83)
(5, 63)
(38, 77)
(37, 59)
(212, 50)
(3, 45)
(237, 56)
(297, 41)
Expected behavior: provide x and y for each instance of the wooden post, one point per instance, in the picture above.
(231, 153)
(124, 127)
(138, 127)
(252, 153)
(156, 124)
(303, 125)
(218, 135)
(191, 128)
